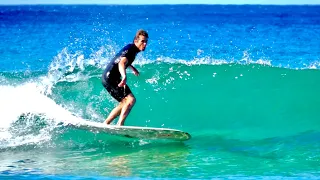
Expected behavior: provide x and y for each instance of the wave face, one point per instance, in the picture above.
(245, 110)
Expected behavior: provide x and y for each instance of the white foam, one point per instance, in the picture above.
(203, 61)
(28, 99)
(195, 61)
(313, 65)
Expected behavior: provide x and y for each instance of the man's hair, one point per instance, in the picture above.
(142, 33)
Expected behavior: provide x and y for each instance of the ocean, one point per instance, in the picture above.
(243, 80)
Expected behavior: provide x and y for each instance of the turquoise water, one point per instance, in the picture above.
(242, 80)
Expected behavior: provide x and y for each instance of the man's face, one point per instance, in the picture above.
(141, 42)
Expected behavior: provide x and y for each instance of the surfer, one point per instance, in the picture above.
(114, 77)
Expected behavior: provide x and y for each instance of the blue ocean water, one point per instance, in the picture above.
(242, 80)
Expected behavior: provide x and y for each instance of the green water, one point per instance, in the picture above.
(240, 98)
(245, 121)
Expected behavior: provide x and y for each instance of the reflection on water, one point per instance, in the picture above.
(118, 159)
(119, 166)
(151, 159)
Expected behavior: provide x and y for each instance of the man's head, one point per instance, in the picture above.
(141, 39)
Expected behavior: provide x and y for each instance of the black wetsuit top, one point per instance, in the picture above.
(111, 76)
(112, 73)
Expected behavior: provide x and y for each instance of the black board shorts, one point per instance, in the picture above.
(111, 85)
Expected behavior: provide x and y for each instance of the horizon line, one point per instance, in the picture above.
(156, 4)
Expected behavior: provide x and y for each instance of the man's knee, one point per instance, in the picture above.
(131, 100)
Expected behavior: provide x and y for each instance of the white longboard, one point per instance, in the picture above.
(134, 131)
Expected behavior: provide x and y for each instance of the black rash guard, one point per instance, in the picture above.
(111, 73)
(111, 76)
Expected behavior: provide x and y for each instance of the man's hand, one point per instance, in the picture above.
(136, 72)
(123, 82)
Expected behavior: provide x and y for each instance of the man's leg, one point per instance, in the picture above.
(128, 102)
(114, 113)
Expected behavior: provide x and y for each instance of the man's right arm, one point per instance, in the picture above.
(122, 70)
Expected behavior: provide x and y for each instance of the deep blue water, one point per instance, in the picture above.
(38, 33)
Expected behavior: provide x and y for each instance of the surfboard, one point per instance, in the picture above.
(134, 131)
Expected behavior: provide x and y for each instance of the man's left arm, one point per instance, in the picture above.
(135, 71)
